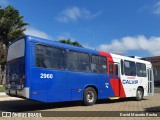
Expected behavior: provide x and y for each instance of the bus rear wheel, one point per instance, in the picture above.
(139, 94)
(90, 96)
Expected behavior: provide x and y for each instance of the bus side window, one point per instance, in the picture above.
(78, 61)
(141, 70)
(40, 61)
(40, 58)
(116, 69)
(83, 62)
(94, 63)
(122, 68)
(73, 60)
(98, 64)
(103, 64)
(72, 66)
(59, 58)
(50, 57)
(129, 68)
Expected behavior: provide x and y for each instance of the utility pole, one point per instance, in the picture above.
(93, 39)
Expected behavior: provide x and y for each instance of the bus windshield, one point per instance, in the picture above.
(16, 50)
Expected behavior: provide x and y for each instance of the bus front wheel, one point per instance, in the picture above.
(90, 96)
(139, 94)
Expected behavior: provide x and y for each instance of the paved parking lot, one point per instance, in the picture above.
(149, 104)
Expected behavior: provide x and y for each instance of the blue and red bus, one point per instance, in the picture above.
(49, 71)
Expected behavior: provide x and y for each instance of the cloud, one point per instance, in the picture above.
(35, 32)
(66, 36)
(156, 8)
(87, 45)
(4, 3)
(74, 13)
(129, 43)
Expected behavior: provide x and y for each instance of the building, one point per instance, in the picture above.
(156, 67)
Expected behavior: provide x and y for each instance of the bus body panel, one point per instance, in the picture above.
(84, 80)
(114, 81)
(63, 82)
(131, 83)
(49, 85)
(53, 87)
(47, 88)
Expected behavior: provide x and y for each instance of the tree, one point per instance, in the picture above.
(75, 43)
(2, 55)
(12, 25)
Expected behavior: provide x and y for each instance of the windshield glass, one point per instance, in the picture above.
(16, 50)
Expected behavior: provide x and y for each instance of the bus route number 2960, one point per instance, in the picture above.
(44, 75)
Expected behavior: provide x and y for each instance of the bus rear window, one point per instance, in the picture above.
(16, 50)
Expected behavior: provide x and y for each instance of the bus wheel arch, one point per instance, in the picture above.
(139, 93)
(90, 95)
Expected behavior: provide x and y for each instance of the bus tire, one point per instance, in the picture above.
(139, 94)
(90, 96)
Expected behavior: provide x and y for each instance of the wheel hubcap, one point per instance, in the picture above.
(90, 96)
(139, 93)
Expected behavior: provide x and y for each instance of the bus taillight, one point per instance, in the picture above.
(23, 79)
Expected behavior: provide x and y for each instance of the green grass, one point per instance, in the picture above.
(1, 88)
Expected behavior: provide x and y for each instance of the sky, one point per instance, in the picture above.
(128, 27)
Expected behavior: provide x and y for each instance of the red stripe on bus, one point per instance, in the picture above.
(114, 83)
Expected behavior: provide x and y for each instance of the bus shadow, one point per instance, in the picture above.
(153, 109)
(107, 101)
(28, 105)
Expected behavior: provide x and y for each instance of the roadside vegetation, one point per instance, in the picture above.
(1, 88)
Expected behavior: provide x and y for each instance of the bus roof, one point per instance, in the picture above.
(76, 48)
(62, 45)
(129, 58)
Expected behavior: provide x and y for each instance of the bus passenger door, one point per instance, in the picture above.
(114, 78)
(150, 82)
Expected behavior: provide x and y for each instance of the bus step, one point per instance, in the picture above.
(114, 98)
